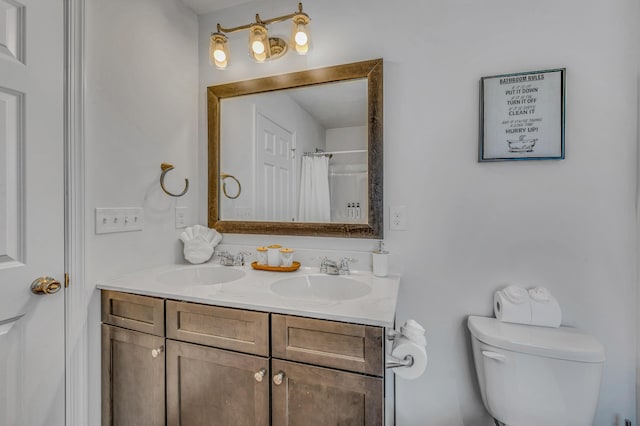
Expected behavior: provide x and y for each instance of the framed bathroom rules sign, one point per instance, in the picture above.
(522, 116)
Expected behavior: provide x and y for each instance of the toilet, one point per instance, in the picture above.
(533, 376)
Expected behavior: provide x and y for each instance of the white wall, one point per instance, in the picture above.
(569, 225)
(141, 110)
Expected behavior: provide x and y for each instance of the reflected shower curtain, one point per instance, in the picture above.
(315, 204)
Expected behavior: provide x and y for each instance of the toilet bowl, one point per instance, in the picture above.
(533, 376)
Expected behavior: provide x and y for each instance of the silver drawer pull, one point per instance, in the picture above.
(157, 351)
(260, 374)
(277, 379)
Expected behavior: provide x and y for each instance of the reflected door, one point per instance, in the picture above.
(275, 171)
(32, 364)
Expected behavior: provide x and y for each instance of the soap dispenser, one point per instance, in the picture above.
(380, 260)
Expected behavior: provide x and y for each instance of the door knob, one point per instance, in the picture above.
(45, 285)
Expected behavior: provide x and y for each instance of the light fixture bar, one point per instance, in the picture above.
(260, 21)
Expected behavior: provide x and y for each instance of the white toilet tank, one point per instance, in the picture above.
(533, 376)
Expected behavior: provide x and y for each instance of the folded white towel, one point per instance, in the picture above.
(199, 242)
(545, 309)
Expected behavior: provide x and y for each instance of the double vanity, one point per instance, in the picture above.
(210, 344)
(192, 345)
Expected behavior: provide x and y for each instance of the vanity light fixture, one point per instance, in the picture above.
(261, 46)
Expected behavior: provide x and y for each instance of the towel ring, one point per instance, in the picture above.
(165, 168)
(224, 176)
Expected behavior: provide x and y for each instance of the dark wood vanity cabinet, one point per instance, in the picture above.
(224, 366)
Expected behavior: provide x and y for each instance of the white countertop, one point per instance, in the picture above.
(253, 292)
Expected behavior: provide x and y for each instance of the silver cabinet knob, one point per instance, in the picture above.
(157, 351)
(277, 379)
(260, 374)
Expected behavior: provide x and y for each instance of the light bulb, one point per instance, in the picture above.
(257, 47)
(219, 51)
(301, 36)
(219, 55)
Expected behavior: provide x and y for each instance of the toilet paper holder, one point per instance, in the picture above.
(392, 361)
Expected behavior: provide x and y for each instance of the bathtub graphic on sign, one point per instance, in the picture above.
(521, 144)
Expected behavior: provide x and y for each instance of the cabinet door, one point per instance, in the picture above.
(132, 378)
(208, 386)
(317, 396)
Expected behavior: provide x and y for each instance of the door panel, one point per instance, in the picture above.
(31, 212)
(316, 396)
(133, 372)
(275, 171)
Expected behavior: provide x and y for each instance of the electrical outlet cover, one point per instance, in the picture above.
(398, 218)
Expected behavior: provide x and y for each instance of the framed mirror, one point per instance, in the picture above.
(298, 153)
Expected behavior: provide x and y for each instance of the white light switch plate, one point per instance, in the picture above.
(121, 219)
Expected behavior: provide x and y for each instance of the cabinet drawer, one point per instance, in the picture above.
(226, 328)
(140, 313)
(350, 347)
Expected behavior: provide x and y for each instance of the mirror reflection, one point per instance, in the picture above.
(296, 155)
(280, 146)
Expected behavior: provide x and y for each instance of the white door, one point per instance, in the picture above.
(275, 171)
(32, 363)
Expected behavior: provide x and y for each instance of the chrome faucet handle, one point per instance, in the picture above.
(323, 264)
(329, 266)
(225, 258)
(238, 259)
(344, 265)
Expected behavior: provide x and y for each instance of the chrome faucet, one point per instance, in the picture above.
(328, 266)
(228, 259)
(238, 259)
(344, 265)
(331, 267)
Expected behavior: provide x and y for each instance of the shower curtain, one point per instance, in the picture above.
(315, 204)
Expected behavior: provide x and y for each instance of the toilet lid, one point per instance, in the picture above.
(562, 343)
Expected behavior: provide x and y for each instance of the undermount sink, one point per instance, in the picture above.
(321, 287)
(201, 275)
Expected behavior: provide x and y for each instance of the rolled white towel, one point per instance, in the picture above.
(545, 309)
(413, 331)
(515, 294)
(512, 304)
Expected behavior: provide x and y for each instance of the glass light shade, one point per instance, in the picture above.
(300, 35)
(258, 42)
(219, 51)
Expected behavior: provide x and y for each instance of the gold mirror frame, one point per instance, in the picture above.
(372, 71)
